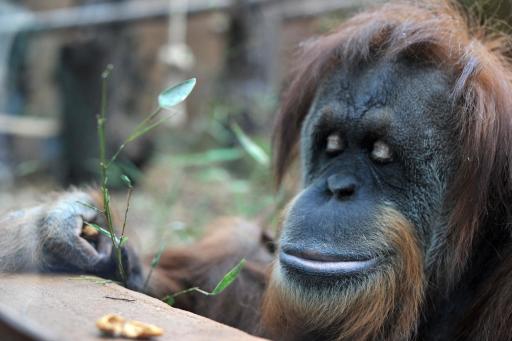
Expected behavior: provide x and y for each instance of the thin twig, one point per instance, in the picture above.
(120, 299)
(128, 199)
(130, 137)
(91, 207)
(104, 176)
(154, 262)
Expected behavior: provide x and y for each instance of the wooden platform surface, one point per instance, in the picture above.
(36, 307)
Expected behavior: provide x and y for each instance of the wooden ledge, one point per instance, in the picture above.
(37, 307)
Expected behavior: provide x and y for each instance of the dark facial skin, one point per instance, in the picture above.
(394, 147)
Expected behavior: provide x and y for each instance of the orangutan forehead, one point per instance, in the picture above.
(375, 118)
(379, 93)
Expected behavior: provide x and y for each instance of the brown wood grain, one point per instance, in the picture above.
(67, 307)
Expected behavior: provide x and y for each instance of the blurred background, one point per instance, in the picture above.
(197, 165)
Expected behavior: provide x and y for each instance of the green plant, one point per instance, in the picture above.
(225, 282)
(166, 100)
(154, 262)
(251, 147)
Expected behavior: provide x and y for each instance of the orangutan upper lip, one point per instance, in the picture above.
(326, 264)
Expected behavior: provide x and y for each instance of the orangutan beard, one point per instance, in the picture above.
(381, 305)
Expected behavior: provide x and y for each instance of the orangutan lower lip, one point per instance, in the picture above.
(326, 265)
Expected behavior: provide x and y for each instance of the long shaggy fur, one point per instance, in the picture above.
(435, 32)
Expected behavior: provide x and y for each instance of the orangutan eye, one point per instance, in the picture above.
(335, 144)
(381, 152)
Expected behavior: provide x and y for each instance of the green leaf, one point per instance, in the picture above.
(90, 206)
(155, 260)
(119, 241)
(209, 157)
(223, 284)
(156, 257)
(176, 94)
(169, 299)
(122, 241)
(228, 278)
(126, 180)
(100, 229)
(255, 151)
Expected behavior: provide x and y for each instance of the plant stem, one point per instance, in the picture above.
(154, 262)
(116, 154)
(128, 199)
(146, 282)
(197, 289)
(104, 177)
(225, 282)
(133, 135)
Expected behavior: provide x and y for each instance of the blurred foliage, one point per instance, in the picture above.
(198, 174)
(217, 166)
